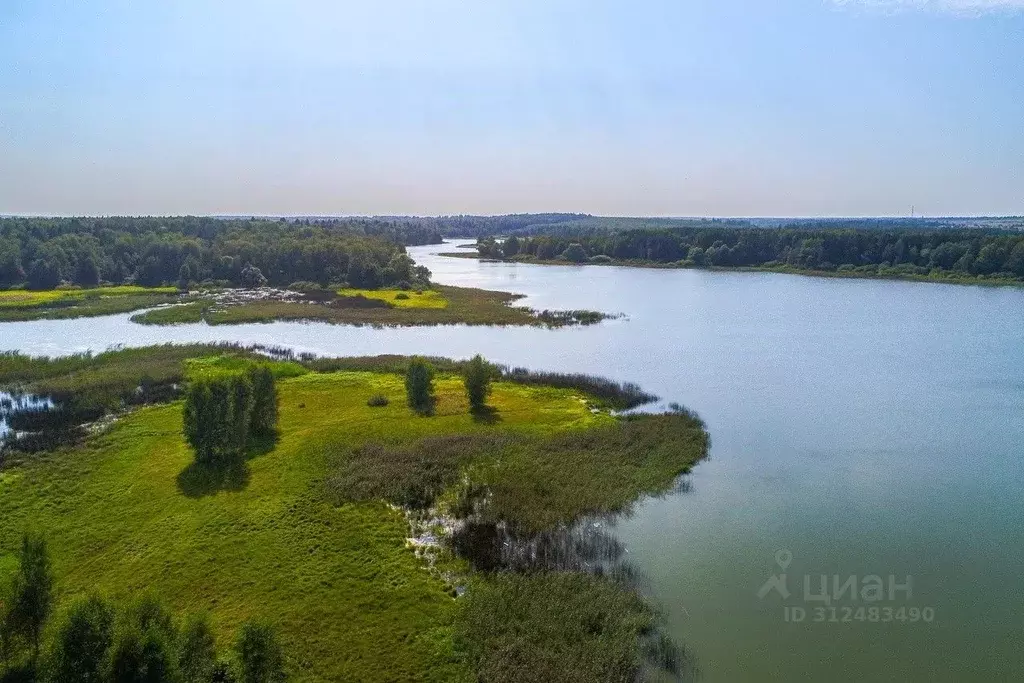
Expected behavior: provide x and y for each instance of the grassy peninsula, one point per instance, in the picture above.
(438, 305)
(314, 537)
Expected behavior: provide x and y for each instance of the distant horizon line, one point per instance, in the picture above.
(521, 213)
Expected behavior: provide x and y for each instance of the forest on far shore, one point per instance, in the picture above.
(45, 253)
(964, 252)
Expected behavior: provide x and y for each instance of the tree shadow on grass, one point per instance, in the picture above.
(488, 415)
(425, 410)
(199, 479)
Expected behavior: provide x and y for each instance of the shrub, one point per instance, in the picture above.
(401, 296)
(378, 401)
(419, 385)
(477, 376)
(259, 655)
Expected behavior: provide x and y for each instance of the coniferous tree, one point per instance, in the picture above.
(264, 401)
(419, 385)
(31, 593)
(477, 376)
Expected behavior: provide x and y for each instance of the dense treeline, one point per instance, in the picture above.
(94, 639)
(549, 224)
(956, 252)
(43, 253)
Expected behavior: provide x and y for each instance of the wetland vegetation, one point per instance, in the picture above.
(319, 537)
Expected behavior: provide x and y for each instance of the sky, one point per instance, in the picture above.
(647, 107)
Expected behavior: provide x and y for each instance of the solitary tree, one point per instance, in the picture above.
(419, 385)
(31, 593)
(477, 376)
(259, 655)
(80, 649)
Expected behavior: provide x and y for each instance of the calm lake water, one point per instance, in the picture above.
(864, 427)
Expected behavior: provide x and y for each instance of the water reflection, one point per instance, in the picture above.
(12, 404)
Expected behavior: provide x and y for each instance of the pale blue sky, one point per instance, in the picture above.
(648, 107)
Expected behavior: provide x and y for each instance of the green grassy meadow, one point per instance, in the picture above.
(352, 602)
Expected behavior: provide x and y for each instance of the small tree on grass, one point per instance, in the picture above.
(477, 376)
(259, 655)
(223, 413)
(419, 385)
(31, 593)
(264, 401)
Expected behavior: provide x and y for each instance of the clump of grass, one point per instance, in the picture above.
(378, 401)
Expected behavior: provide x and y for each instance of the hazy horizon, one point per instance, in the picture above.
(799, 108)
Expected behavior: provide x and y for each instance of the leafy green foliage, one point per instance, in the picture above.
(222, 412)
(848, 248)
(419, 385)
(259, 654)
(79, 650)
(144, 648)
(31, 595)
(197, 651)
(477, 376)
(153, 251)
(263, 418)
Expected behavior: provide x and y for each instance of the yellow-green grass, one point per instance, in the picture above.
(20, 304)
(24, 298)
(399, 298)
(351, 601)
